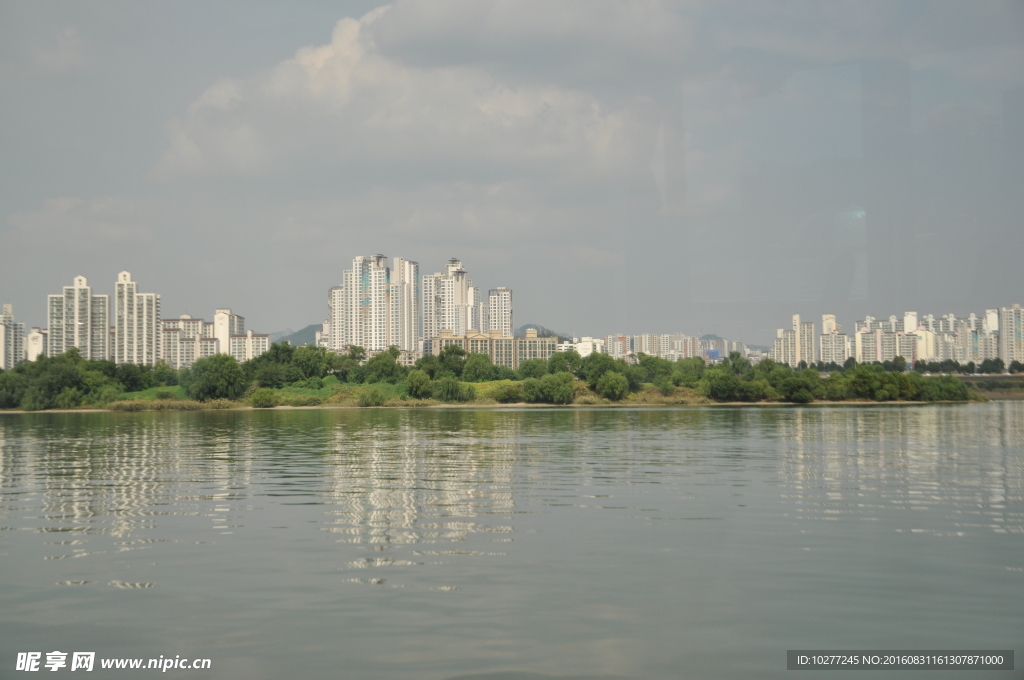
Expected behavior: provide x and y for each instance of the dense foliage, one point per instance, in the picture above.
(314, 374)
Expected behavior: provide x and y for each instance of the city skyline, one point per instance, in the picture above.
(668, 164)
(376, 309)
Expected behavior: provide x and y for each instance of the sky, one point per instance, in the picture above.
(624, 167)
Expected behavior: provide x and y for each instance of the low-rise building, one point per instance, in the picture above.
(503, 350)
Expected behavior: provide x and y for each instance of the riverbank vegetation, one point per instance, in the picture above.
(311, 376)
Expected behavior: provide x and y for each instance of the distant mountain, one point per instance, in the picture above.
(542, 332)
(274, 337)
(711, 336)
(307, 336)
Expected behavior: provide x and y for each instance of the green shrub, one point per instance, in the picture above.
(613, 386)
(418, 383)
(105, 395)
(511, 393)
(127, 406)
(532, 391)
(665, 385)
(533, 368)
(311, 400)
(451, 390)
(164, 394)
(264, 398)
(719, 384)
(372, 396)
(558, 388)
(754, 390)
(215, 377)
(70, 397)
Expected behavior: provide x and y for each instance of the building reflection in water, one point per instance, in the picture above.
(398, 479)
(839, 462)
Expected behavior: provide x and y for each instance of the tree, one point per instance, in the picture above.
(510, 393)
(991, 366)
(134, 378)
(270, 375)
(558, 388)
(382, 368)
(533, 368)
(612, 385)
(568, 362)
(737, 364)
(418, 383)
(356, 353)
(594, 366)
(688, 372)
(451, 390)
(651, 367)
(164, 374)
(499, 372)
(801, 387)
(428, 364)
(719, 384)
(312, 362)
(452, 359)
(532, 392)
(477, 368)
(757, 389)
(216, 377)
(1016, 367)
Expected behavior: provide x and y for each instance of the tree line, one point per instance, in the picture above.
(69, 381)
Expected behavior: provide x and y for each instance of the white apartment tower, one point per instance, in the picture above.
(35, 344)
(226, 324)
(833, 345)
(77, 318)
(375, 307)
(12, 339)
(1011, 334)
(137, 325)
(792, 347)
(479, 311)
(499, 310)
(407, 302)
(447, 301)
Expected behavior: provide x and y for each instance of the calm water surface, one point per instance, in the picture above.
(502, 543)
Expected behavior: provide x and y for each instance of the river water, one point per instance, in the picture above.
(511, 543)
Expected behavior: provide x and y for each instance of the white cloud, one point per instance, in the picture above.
(346, 104)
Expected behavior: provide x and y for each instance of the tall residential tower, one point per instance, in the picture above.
(137, 326)
(77, 318)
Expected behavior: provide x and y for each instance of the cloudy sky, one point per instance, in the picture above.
(631, 167)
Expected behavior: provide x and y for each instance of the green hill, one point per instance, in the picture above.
(307, 336)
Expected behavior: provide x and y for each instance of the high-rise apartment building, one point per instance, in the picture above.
(407, 302)
(77, 318)
(225, 325)
(35, 344)
(1011, 334)
(137, 326)
(12, 339)
(448, 301)
(792, 347)
(376, 307)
